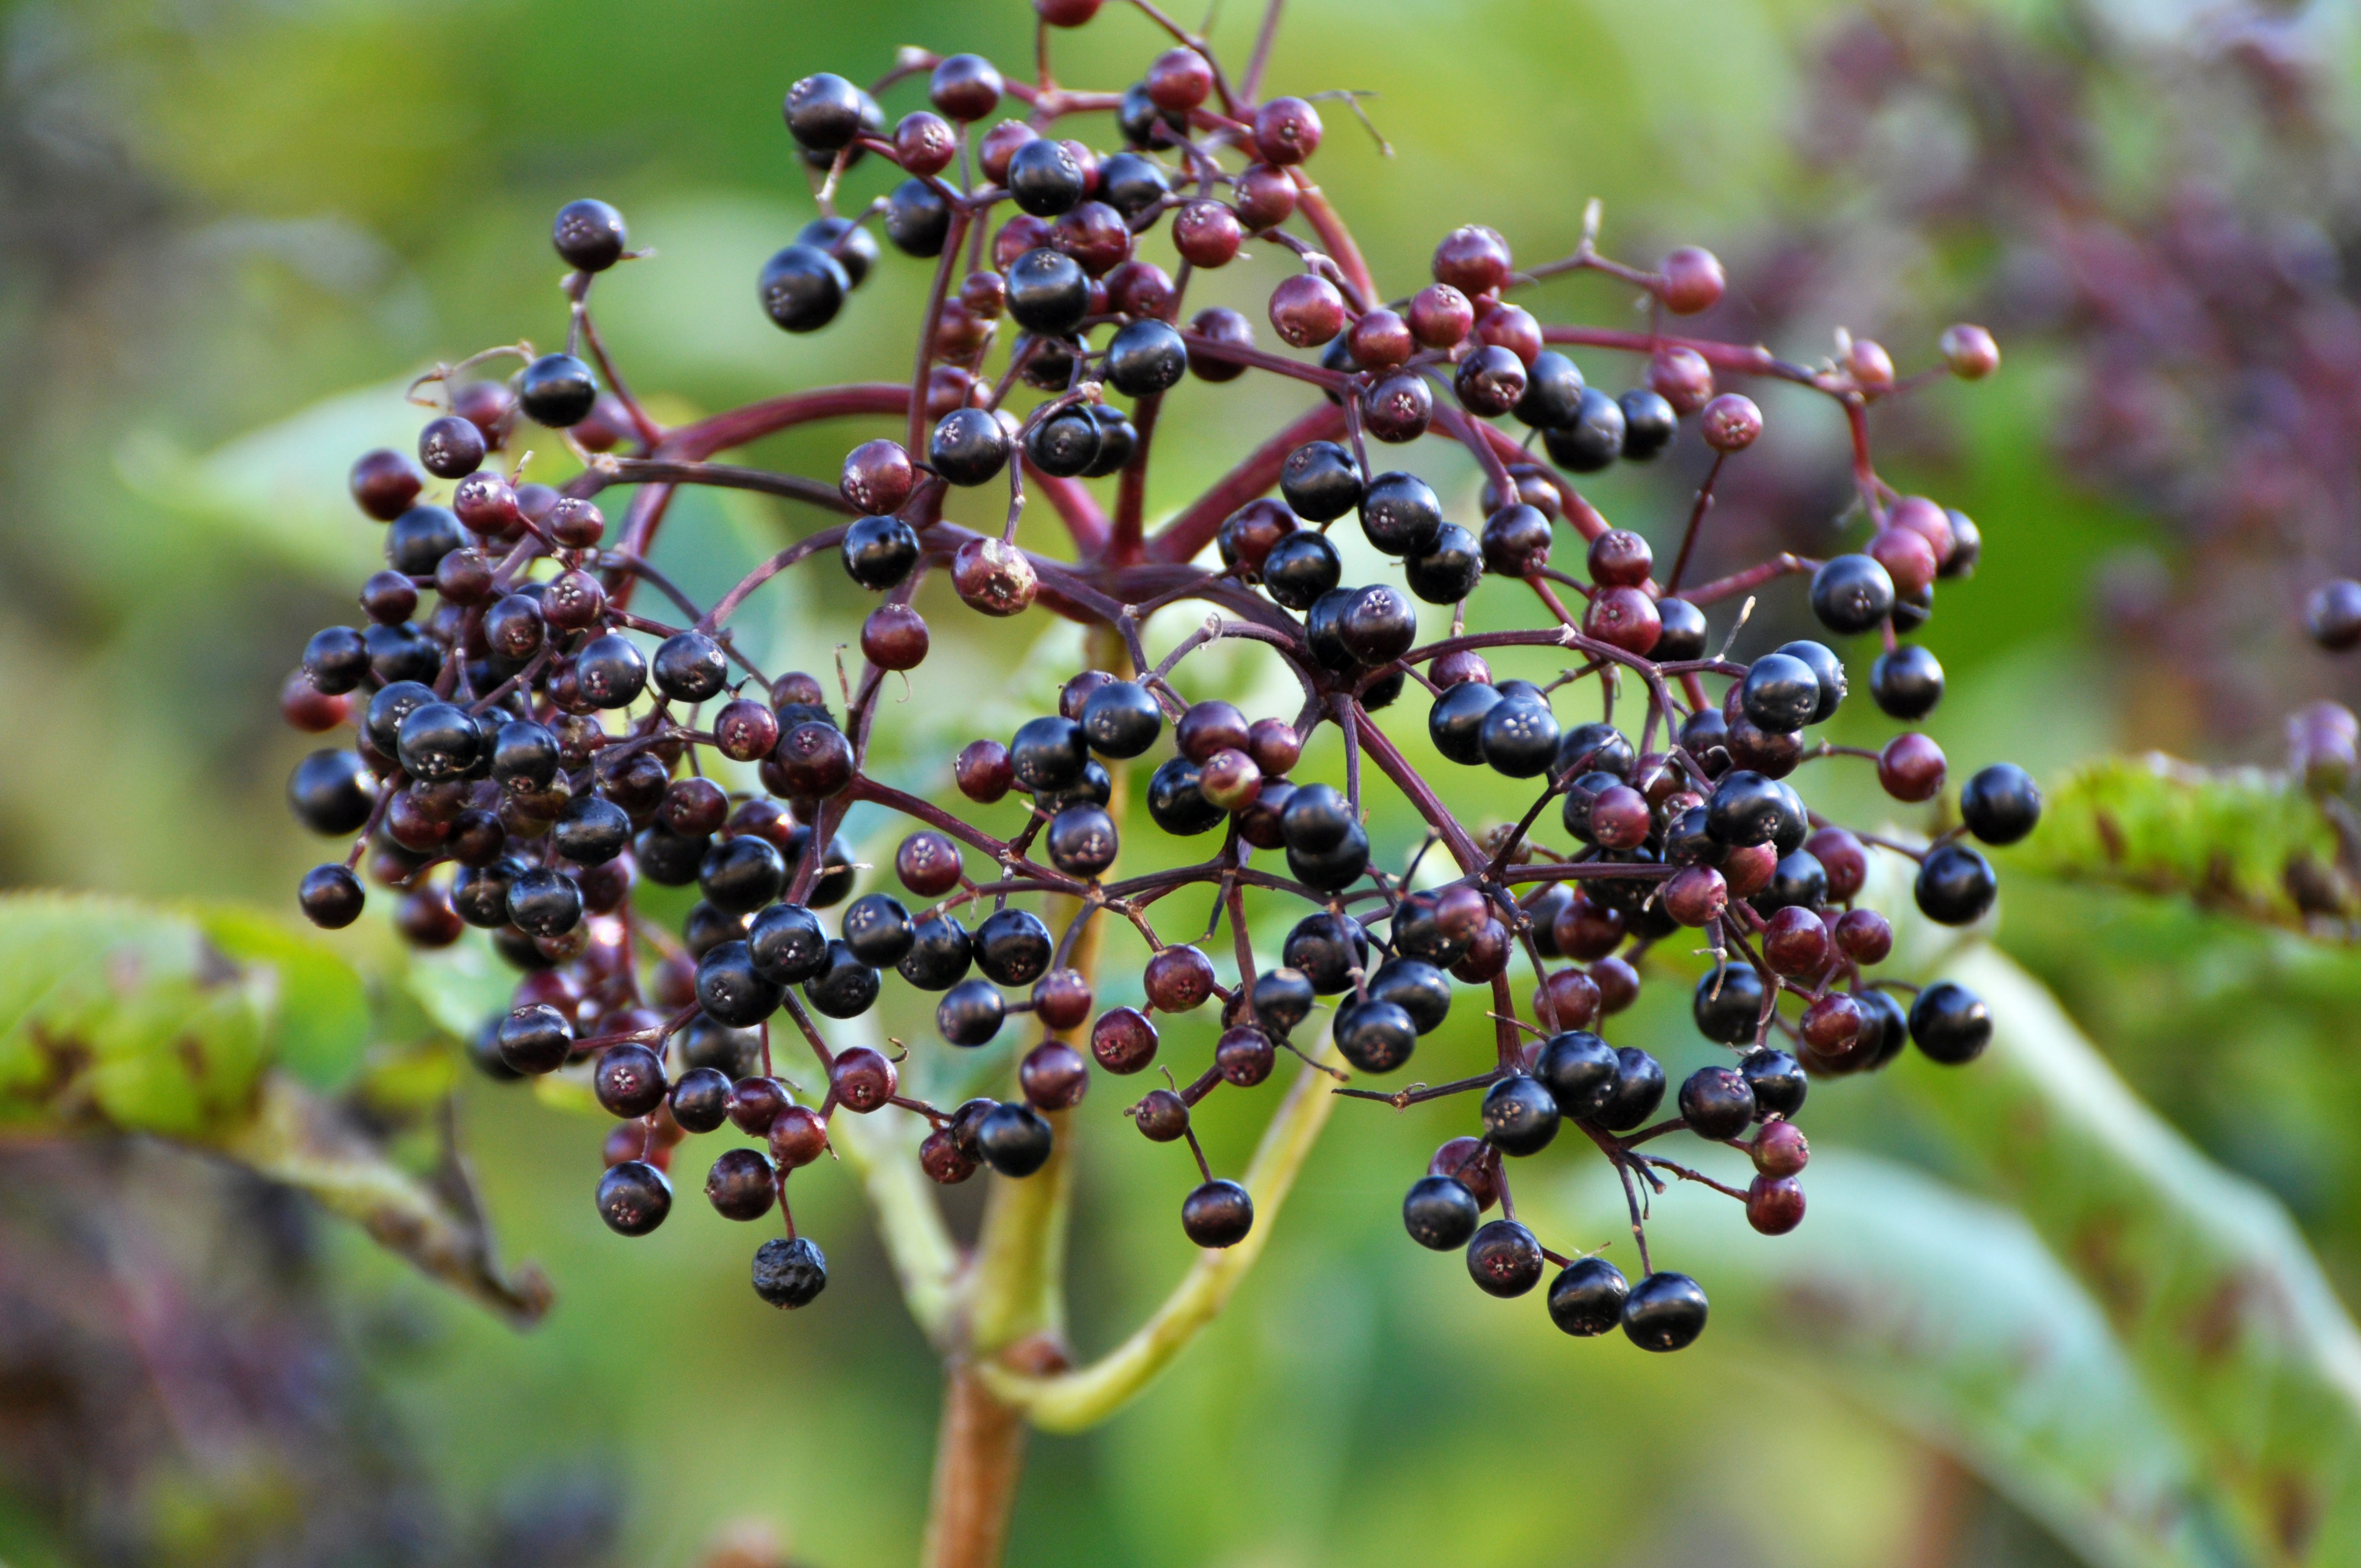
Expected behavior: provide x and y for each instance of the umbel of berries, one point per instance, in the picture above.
(530, 729)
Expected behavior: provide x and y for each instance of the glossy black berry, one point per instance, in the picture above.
(1440, 1214)
(1950, 1023)
(1639, 1090)
(1681, 632)
(1906, 682)
(1553, 397)
(1048, 753)
(1447, 571)
(1504, 1259)
(1335, 868)
(846, 988)
(2001, 805)
(1375, 1037)
(1716, 1103)
(1117, 441)
(592, 831)
(1301, 567)
(1852, 594)
(969, 446)
(611, 671)
(556, 390)
(1013, 1140)
(1593, 439)
(331, 897)
(524, 753)
(941, 953)
(790, 1272)
(879, 552)
(1579, 1069)
(634, 1198)
(401, 654)
(802, 287)
(1082, 840)
(1401, 515)
(1776, 1080)
(1594, 748)
(332, 792)
(1045, 178)
(629, 1081)
(1049, 293)
(740, 1185)
(970, 1013)
(824, 112)
(1012, 946)
(1665, 1312)
(1884, 1030)
(589, 235)
(1317, 817)
(336, 660)
(1780, 693)
(1798, 881)
(1217, 1214)
(1586, 1297)
(419, 538)
(1955, 885)
(534, 1039)
(690, 667)
(449, 448)
(1326, 947)
(1745, 807)
(1281, 998)
(1121, 720)
(1648, 425)
(1516, 541)
(1132, 184)
(1456, 722)
(878, 930)
(1174, 803)
(544, 902)
(731, 990)
(1422, 991)
(917, 219)
(1520, 1115)
(701, 1099)
(1320, 481)
(1065, 445)
(1728, 1004)
(742, 875)
(1378, 625)
(1146, 357)
(1519, 738)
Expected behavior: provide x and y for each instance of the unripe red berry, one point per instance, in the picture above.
(1748, 871)
(1693, 281)
(1207, 234)
(1696, 895)
(1568, 996)
(1264, 196)
(1928, 521)
(1473, 259)
(1774, 1207)
(1779, 1150)
(1831, 1023)
(924, 142)
(894, 637)
(1911, 767)
(1843, 858)
(1970, 351)
(1142, 290)
(1230, 780)
(1620, 559)
(1054, 1076)
(1177, 979)
(1730, 423)
(1306, 310)
(1095, 235)
(1123, 1040)
(1287, 130)
(1066, 13)
(1441, 316)
(1180, 80)
(1511, 327)
(1061, 999)
(1681, 377)
(983, 772)
(1795, 944)
(1380, 340)
(1399, 407)
(1625, 619)
(994, 576)
(1274, 746)
(1208, 729)
(745, 731)
(1872, 368)
(1906, 556)
(999, 145)
(1865, 936)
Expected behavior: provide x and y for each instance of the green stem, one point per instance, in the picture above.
(1070, 1401)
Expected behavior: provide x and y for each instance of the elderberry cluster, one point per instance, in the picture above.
(535, 746)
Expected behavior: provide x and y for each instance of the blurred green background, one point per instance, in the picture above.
(232, 229)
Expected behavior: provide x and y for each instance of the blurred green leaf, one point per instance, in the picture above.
(120, 1017)
(2206, 1282)
(2232, 838)
(1948, 1317)
(116, 1015)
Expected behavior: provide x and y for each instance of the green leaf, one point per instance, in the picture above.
(322, 1025)
(2205, 1280)
(118, 1015)
(1948, 1317)
(2232, 838)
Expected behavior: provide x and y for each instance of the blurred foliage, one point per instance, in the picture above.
(237, 226)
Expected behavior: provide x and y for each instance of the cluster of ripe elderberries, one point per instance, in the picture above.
(552, 746)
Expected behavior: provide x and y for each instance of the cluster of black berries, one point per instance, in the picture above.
(536, 745)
